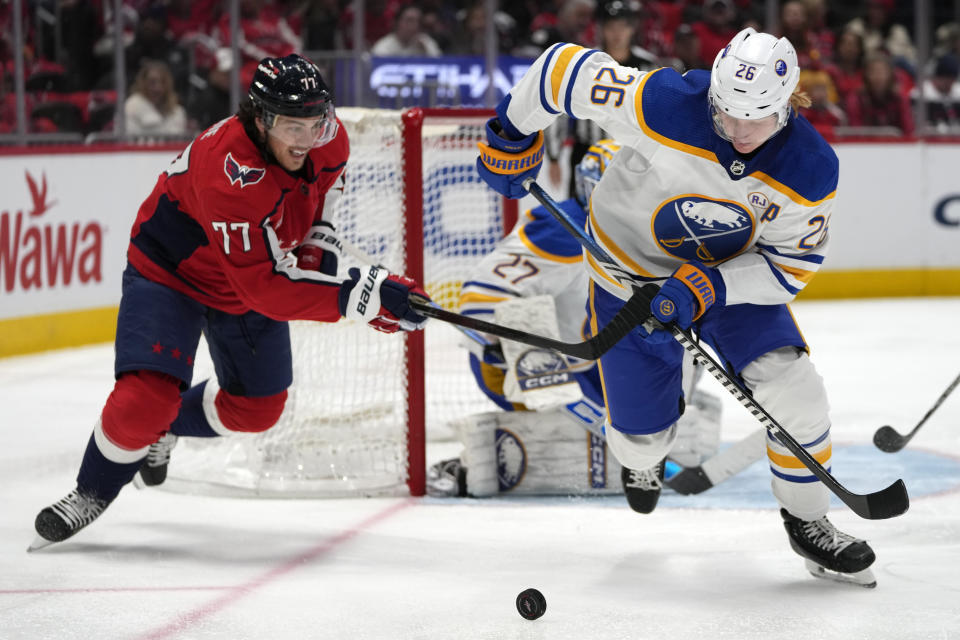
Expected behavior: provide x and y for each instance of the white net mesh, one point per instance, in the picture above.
(345, 430)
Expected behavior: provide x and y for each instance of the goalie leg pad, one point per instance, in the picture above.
(535, 453)
(787, 385)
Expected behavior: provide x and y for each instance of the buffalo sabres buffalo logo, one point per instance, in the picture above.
(242, 174)
(538, 368)
(695, 227)
(511, 459)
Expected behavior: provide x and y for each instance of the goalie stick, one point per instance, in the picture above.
(885, 503)
(725, 464)
(887, 439)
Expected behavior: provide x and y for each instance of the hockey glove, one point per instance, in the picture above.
(381, 300)
(320, 250)
(688, 293)
(504, 163)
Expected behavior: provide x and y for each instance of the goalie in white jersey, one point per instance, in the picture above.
(723, 194)
(553, 445)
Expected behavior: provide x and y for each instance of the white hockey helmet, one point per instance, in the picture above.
(754, 77)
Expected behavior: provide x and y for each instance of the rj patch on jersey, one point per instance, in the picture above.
(694, 227)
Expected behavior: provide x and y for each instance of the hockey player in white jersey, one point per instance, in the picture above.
(534, 279)
(723, 194)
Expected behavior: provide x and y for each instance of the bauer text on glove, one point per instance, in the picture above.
(381, 299)
(688, 293)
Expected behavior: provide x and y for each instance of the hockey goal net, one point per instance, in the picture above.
(363, 404)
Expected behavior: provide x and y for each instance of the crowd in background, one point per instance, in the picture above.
(860, 65)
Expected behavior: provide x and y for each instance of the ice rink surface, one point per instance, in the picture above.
(165, 565)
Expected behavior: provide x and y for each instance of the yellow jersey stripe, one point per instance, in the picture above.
(468, 298)
(680, 146)
(800, 274)
(559, 69)
(791, 462)
(612, 247)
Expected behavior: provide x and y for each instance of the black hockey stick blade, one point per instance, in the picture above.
(887, 439)
(689, 481)
(879, 505)
(632, 314)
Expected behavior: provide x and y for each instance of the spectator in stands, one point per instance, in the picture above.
(795, 27)
(716, 28)
(212, 103)
(574, 23)
(818, 28)
(879, 103)
(153, 42)
(264, 32)
(881, 33)
(846, 69)
(153, 106)
(377, 21)
(687, 52)
(322, 31)
(941, 95)
(823, 113)
(407, 39)
(471, 32)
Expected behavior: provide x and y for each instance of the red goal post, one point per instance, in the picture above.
(363, 404)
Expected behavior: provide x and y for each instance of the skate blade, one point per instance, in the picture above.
(138, 482)
(863, 578)
(39, 543)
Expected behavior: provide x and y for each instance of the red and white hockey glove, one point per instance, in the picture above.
(320, 250)
(381, 299)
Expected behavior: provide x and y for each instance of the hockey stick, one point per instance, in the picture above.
(886, 503)
(725, 464)
(634, 313)
(887, 439)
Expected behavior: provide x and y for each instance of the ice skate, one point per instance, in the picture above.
(65, 517)
(830, 553)
(643, 487)
(447, 478)
(153, 472)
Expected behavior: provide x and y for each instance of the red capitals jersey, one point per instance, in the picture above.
(220, 224)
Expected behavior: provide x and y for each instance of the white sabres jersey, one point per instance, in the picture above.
(677, 191)
(538, 257)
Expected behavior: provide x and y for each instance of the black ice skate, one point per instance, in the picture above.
(830, 553)
(643, 487)
(447, 478)
(153, 471)
(65, 517)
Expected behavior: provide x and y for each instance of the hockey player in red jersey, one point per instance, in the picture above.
(232, 242)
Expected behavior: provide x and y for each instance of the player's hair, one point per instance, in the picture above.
(799, 99)
(247, 113)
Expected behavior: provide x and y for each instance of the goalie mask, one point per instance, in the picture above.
(293, 87)
(753, 78)
(591, 167)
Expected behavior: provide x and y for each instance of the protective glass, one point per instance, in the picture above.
(305, 133)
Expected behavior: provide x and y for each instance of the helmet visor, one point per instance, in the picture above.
(745, 135)
(304, 133)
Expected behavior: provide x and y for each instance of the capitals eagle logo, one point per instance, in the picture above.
(241, 173)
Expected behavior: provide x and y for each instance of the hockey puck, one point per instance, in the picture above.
(531, 604)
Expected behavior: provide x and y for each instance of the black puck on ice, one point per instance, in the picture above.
(531, 604)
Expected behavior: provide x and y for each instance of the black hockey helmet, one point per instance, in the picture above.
(290, 86)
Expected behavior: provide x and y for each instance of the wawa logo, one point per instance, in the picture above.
(34, 255)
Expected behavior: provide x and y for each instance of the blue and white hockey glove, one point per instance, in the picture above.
(504, 163)
(688, 293)
(381, 299)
